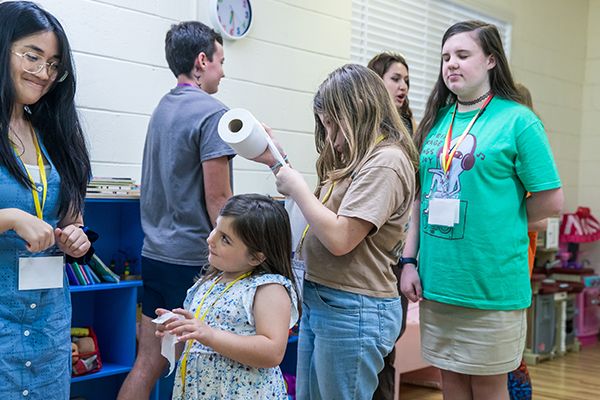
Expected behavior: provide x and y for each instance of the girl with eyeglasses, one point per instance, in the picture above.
(44, 171)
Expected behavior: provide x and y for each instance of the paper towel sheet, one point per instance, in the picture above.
(168, 342)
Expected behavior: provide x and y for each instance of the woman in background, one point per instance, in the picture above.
(393, 69)
(44, 171)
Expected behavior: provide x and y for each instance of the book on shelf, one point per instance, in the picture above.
(73, 281)
(83, 273)
(101, 187)
(93, 277)
(78, 274)
(103, 272)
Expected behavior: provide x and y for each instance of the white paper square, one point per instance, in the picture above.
(444, 212)
(41, 272)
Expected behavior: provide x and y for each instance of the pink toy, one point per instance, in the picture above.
(587, 320)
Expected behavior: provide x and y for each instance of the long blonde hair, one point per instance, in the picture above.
(357, 102)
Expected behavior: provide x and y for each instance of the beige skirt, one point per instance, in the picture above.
(471, 341)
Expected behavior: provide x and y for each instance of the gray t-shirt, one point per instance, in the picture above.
(181, 135)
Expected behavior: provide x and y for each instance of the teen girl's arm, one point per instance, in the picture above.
(537, 226)
(70, 238)
(339, 234)
(37, 233)
(410, 283)
(265, 349)
(544, 204)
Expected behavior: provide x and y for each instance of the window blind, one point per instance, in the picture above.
(413, 28)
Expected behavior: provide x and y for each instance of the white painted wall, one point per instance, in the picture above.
(118, 47)
(293, 45)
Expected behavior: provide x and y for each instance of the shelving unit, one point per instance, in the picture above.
(110, 308)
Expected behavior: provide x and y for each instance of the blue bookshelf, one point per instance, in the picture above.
(110, 308)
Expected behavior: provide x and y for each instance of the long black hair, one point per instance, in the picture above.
(501, 80)
(54, 116)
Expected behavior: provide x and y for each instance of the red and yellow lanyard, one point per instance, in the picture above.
(447, 154)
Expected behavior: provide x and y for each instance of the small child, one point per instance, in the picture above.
(238, 315)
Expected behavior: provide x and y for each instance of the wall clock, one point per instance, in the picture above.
(231, 18)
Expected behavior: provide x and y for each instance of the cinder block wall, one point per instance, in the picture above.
(118, 48)
(293, 45)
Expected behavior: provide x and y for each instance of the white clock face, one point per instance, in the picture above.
(234, 16)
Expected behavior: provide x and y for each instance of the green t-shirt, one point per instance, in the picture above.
(481, 262)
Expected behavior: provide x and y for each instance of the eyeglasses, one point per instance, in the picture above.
(33, 63)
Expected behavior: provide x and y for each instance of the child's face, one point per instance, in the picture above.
(227, 251)
(335, 135)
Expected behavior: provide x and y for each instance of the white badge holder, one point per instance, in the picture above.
(43, 270)
(444, 212)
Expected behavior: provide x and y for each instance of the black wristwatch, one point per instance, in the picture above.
(408, 260)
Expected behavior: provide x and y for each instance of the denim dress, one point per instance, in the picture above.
(35, 348)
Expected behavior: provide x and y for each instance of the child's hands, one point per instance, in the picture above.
(160, 328)
(189, 328)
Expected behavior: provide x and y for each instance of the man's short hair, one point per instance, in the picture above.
(185, 41)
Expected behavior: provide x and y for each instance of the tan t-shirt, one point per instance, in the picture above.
(382, 193)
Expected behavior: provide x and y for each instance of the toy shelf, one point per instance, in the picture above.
(108, 369)
(109, 308)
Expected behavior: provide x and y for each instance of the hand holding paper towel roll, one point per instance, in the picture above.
(240, 130)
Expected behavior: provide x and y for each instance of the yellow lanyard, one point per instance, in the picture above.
(189, 342)
(36, 198)
(327, 195)
(447, 155)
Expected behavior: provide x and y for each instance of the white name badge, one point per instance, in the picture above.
(444, 212)
(41, 272)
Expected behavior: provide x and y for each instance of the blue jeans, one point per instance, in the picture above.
(343, 339)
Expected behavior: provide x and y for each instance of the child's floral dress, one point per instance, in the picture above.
(210, 375)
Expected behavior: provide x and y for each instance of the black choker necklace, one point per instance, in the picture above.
(473, 102)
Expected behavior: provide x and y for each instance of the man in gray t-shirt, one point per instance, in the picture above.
(186, 179)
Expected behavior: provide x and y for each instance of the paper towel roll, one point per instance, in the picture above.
(239, 129)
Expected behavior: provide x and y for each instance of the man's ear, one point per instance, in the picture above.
(201, 61)
(257, 259)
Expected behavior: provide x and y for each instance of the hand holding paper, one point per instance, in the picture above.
(168, 341)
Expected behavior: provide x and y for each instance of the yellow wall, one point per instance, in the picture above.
(589, 166)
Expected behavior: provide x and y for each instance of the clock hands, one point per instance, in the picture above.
(233, 14)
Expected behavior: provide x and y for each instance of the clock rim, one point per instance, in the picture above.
(214, 19)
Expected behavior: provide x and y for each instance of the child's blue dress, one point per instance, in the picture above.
(210, 375)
